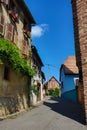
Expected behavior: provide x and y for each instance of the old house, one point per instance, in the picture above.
(15, 43)
(51, 84)
(38, 78)
(68, 76)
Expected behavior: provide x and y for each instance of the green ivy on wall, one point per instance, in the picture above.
(10, 54)
(34, 89)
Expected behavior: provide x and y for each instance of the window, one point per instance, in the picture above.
(9, 31)
(15, 38)
(6, 72)
(1, 24)
(13, 11)
(27, 29)
(24, 47)
(75, 79)
(5, 1)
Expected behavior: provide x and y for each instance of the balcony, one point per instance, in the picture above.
(13, 15)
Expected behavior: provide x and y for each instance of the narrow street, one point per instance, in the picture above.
(53, 114)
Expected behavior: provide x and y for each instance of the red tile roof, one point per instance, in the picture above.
(70, 65)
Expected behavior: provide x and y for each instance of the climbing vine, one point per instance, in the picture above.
(30, 55)
(10, 54)
(35, 89)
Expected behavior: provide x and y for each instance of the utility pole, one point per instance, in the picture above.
(48, 74)
(48, 71)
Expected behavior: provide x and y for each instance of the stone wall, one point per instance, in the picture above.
(80, 31)
(13, 92)
(18, 29)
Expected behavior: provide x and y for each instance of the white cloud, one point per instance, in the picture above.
(39, 30)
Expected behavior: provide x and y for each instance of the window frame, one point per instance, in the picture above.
(2, 24)
(6, 75)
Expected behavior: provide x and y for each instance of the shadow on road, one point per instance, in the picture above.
(66, 108)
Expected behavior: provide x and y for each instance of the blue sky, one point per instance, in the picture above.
(53, 33)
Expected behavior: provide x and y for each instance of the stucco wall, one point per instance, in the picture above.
(13, 92)
(71, 95)
(68, 89)
(69, 83)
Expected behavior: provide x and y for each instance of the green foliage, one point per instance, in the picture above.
(1, 61)
(34, 89)
(57, 92)
(54, 92)
(30, 53)
(50, 92)
(10, 54)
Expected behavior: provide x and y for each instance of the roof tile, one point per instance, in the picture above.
(70, 65)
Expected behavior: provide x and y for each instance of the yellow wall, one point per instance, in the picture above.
(13, 93)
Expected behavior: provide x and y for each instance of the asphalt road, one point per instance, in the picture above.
(53, 114)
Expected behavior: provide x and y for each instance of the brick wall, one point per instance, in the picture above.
(79, 8)
(52, 84)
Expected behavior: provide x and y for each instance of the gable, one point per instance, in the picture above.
(69, 66)
(53, 81)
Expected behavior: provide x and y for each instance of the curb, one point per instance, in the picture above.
(12, 116)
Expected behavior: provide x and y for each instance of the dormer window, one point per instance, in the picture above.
(27, 29)
(13, 11)
(14, 14)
